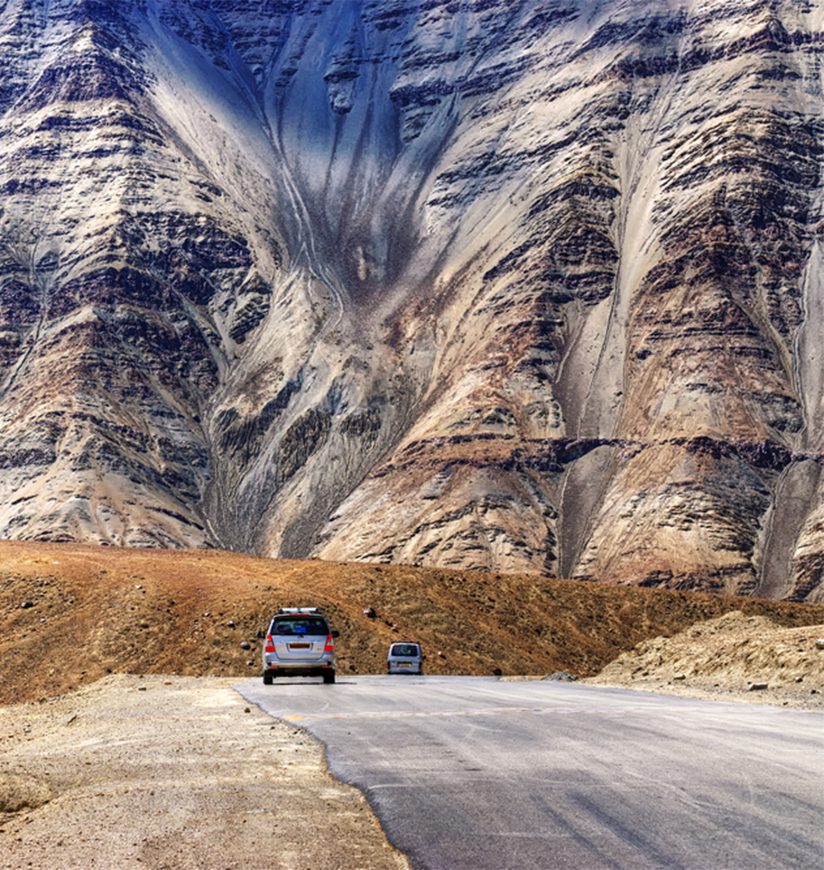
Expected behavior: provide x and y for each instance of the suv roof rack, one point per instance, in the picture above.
(298, 610)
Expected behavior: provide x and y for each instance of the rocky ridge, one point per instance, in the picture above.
(528, 286)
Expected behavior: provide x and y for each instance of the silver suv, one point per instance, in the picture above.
(299, 643)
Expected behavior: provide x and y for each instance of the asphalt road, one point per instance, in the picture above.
(475, 773)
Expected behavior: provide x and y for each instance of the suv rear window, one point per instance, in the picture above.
(293, 625)
(405, 649)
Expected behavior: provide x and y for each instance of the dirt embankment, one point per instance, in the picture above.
(732, 657)
(173, 773)
(70, 615)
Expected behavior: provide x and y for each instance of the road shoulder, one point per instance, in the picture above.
(173, 772)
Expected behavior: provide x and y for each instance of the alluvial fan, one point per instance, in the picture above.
(522, 286)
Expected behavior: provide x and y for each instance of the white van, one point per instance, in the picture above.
(405, 657)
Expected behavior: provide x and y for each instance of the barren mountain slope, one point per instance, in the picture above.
(524, 286)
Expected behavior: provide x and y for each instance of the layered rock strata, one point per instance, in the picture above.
(523, 286)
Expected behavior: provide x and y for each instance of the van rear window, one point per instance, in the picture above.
(300, 625)
(405, 649)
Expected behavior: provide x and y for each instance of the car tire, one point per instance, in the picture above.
(268, 679)
(329, 677)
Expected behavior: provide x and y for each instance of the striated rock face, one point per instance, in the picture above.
(523, 286)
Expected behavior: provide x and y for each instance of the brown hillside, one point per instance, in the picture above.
(70, 614)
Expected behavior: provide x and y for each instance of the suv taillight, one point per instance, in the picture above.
(270, 644)
(330, 644)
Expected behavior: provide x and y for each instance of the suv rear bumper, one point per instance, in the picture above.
(318, 670)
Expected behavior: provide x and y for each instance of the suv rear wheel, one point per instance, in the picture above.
(329, 677)
(267, 678)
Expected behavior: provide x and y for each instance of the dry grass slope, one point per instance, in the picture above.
(92, 611)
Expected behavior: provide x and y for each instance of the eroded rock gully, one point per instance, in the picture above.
(530, 286)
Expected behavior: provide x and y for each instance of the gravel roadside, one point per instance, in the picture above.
(732, 658)
(173, 772)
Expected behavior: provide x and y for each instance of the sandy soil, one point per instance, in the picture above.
(733, 657)
(177, 772)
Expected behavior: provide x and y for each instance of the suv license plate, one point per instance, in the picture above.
(300, 646)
